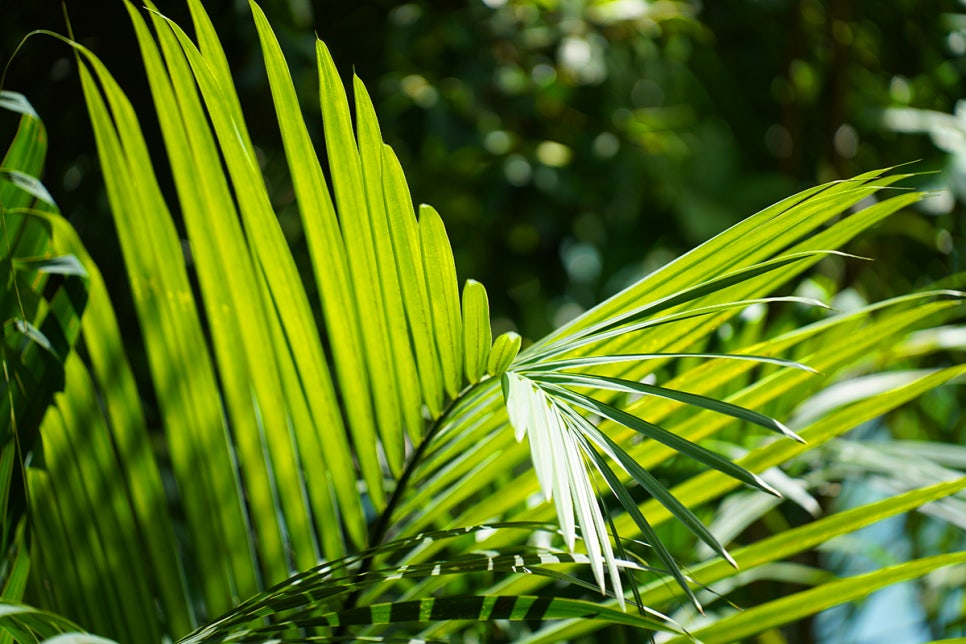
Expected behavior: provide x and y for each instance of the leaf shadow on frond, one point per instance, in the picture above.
(287, 450)
(315, 598)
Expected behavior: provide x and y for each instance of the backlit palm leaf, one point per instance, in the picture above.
(359, 437)
(263, 334)
(305, 596)
(134, 489)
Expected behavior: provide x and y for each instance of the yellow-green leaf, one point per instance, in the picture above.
(505, 349)
(476, 330)
(440, 274)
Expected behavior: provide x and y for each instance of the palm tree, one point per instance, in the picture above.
(361, 471)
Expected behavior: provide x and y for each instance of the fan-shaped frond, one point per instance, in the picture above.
(321, 464)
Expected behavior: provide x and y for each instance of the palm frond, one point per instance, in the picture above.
(305, 597)
(834, 340)
(319, 461)
(775, 548)
(29, 625)
(259, 382)
(814, 600)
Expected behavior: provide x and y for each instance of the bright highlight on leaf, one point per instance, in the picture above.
(504, 351)
(440, 274)
(358, 433)
(559, 459)
(542, 405)
(476, 330)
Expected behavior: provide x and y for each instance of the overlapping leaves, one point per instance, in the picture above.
(311, 598)
(274, 421)
(258, 423)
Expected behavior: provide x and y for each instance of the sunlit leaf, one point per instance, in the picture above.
(476, 330)
(440, 274)
(504, 350)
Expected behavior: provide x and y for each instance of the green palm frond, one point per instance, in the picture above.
(50, 394)
(265, 363)
(304, 597)
(323, 464)
(28, 625)
(834, 341)
(814, 600)
(787, 544)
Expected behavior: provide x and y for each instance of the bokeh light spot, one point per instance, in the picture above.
(517, 170)
(553, 154)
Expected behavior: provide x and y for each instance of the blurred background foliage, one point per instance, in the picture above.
(572, 146)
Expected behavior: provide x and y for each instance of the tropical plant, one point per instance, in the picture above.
(357, 470)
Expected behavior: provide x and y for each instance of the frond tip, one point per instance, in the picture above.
(563, 442)
(559, 452)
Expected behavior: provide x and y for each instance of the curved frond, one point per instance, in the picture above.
(308, 464)
(306, 597)
(776, 548)
(29, 625)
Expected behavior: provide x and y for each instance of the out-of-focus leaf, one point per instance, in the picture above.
(775, 548)
(17, 102)
(793, 607)
(64, 265)
(29, 184)
(77, 638)
(27, 624)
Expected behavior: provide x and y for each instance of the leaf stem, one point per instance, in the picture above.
(379, 530)
(381, 527)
